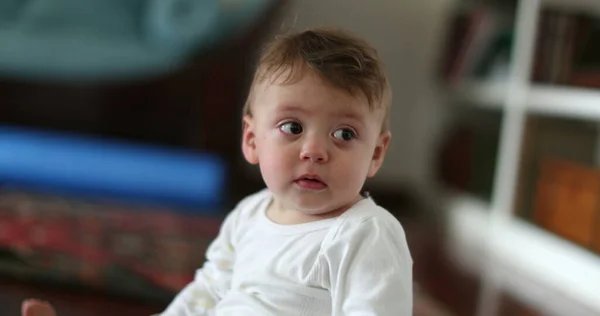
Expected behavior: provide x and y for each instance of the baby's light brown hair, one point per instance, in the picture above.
(346, 61)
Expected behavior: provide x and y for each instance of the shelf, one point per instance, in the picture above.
(482, 93)
(565, 101)
(558, 101)
(469, 221)
(534, 265)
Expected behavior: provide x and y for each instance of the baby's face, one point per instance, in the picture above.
(315, 144)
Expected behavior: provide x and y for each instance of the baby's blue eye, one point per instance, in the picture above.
(291, 128)
(344, 134)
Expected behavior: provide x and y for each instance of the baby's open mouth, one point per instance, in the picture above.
(310, 183)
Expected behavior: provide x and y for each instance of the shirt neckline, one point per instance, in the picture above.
(298, 228)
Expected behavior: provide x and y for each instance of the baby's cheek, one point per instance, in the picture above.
(275, 168)
(352, 170)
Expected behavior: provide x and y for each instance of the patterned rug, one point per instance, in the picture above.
(39, 236)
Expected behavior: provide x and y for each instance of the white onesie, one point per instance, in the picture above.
(356, 264)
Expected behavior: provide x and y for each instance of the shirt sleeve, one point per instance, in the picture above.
(213, 280)
(370, 271)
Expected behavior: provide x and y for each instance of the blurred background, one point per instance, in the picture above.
(120, 154)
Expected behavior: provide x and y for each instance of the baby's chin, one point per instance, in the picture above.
(325, 208)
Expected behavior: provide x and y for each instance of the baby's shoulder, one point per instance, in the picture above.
(250, 206)
(367, 214)
(368, 232)
(367, 221)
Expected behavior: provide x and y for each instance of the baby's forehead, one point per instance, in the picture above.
(311, 88)
(315, 106)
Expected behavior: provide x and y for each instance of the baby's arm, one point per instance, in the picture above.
(371, 271)
(210, 283)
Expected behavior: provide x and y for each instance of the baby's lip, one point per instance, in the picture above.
(310, 176)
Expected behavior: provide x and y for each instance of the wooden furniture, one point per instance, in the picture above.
(514, 255)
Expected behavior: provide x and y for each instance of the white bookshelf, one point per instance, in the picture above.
(567, 102)
(536, 266)
(551, 100)
(481, 93)
(543, 270)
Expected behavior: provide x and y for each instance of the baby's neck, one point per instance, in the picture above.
(282, 215)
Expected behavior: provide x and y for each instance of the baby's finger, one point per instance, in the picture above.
(32, 307)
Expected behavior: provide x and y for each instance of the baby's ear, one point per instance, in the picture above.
(249, 140)
(379, 153)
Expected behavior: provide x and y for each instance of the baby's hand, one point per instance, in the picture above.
(36, 308)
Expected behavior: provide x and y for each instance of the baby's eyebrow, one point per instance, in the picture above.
(352, 115)
(297, 108)
(291, 108)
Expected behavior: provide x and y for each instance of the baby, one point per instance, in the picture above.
(316, 124)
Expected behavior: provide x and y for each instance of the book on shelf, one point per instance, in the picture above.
(567, 49)
(544, 136)
(477, 42)
(596, 242)
(558, 184)
(567, 200)
(480, 39)
(467, 159)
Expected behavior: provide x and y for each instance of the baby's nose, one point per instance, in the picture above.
(314, 150)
